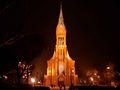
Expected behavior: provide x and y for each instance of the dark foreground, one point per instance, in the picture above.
(73, 88)
(95, 88)
(25, 88)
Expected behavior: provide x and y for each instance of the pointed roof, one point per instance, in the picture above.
(61, 19)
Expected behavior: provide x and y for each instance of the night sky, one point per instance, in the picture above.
(28, 27)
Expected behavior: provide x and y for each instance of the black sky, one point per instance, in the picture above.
(92, 31)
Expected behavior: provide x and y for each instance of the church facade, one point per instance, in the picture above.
(61, 67)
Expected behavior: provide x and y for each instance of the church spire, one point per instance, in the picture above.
(61, 19)
(60, 29)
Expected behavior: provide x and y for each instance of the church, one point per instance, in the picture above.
(61, 67)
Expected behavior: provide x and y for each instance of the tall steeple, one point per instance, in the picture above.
(61, 19)
(61, 30)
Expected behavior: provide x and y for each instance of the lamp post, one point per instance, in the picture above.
(33, 81)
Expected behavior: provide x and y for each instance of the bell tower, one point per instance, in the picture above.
(61, 30)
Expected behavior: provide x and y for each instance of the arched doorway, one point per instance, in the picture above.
(61, 80)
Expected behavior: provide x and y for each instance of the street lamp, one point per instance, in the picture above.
(33, 81)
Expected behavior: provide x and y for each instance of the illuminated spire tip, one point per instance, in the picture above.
(61, 20)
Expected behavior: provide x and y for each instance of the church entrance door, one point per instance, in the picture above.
(61, 81)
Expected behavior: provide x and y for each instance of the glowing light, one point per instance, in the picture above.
(49, 72)
(72, 71)
(52, 71)
(61, 68)
(23, 76)
(108, 67)
(39, 82)
(91, 78)
(19, 62)
(95, 74)
(98, 76)
(5, 76)
(33, 80)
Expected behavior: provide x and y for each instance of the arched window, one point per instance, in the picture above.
(60, 40)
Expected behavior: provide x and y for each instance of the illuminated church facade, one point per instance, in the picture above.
(61, 67)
